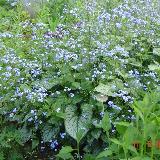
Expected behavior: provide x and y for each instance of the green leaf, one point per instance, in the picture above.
(126, 124)
(136, 158)
(130, 136)
(87, 85)
(2, 156)
(122, 126)
(76, 122)
(65, 153)
(75, 85)
(105, 153)
(106, 125)
(156, 51)
(133, 149)
(79, 135)
(48, 133)
(101, 98)
(138, 112)
(89, 157)
(153, 67)
(141, 158)
(24, 135)
(15, 155)
(134, 62)
(116, 141)
(35, 143)
(96, 133)
(151, 128)
(97, 123)
(104, 89)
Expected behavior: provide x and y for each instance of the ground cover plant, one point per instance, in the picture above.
(80, 80)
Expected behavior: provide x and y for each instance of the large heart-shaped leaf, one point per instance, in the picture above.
(76, 122)
(156, 51)
(49, 132)
(104, 89)
(101, 98)
(23, 135)
(109, 89)
(153, 67)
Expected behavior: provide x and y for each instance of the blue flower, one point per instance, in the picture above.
(14, 110)
(54, 144)
(30, 119)
(101, 114)
(118, 25)
(62, 135)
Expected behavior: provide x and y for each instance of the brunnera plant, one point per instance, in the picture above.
(69, 79)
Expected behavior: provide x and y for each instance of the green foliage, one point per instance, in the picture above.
(106, 125)
(103, 154)
(80, 80)
(65, 153)
(146, 127)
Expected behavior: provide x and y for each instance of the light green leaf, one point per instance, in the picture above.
(106, 125)
(101, 98)
(153, 67)
(141, 158)
(129, 135)
(156, 51)
(122, 126)
(116, 141)
(76, 85)
(126, 124)
(79, 135)
(134, 62)
(104, 89)
(136, 158)
(105, 153)
(65, 153)
(138, 112)
(133, 149)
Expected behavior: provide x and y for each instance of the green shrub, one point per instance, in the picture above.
(79, 81)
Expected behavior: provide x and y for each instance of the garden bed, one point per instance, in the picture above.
(80, 80)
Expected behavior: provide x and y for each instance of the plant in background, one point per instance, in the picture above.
(33, 6)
